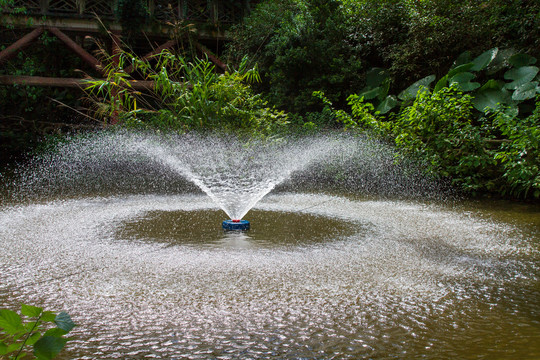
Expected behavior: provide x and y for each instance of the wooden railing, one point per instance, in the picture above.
(214, 11)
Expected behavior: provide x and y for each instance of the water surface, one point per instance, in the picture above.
(318, 276)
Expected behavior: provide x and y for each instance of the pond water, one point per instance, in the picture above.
(318, 277)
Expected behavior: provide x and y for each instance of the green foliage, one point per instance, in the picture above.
(9, 6)
(522, 82)
(498, 152)
(41, 331)
(187, 95)
(411, 92)
(301, 47)
(519, 155)
(310, 45)
(438, 128)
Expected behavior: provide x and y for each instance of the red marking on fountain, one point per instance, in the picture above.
(236, 221)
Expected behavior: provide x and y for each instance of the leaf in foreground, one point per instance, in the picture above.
(48, 347)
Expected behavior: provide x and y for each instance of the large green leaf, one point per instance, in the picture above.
(369, 94)
(482, 61)
(13, 347)
(463, 80)
(376, 76)
(491, 98)
(48, 316)
(492, 84)
(520, 76)
(48, 347)
(64, 322)
(519, 60)
(385, 87)
(33, 338)
(500, 62)
(387, 104)
(460, 69)
(526, 91)
(410, 92)
(31, 311)
(55, 332)
(10, 321)
(463, 58)
(442, 83)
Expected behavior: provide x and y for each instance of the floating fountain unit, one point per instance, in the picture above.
(235, 225)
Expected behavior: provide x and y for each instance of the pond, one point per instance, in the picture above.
(318, 276)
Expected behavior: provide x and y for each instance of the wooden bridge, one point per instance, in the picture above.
(73, 20)
(76, 11)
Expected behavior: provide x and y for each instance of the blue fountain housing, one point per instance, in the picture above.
(235, 225)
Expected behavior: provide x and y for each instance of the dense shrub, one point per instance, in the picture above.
(309, 45)
(494, 153)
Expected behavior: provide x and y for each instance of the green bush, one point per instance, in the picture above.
(494, 153)
(438, 128)
(519, 152)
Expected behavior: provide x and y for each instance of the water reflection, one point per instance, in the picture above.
(236, 240)
(202, 228)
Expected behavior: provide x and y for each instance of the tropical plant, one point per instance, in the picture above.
(185, 95)
(41, 331)
(509, 79)
(496, 152)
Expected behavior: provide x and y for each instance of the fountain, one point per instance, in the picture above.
(348, 255)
